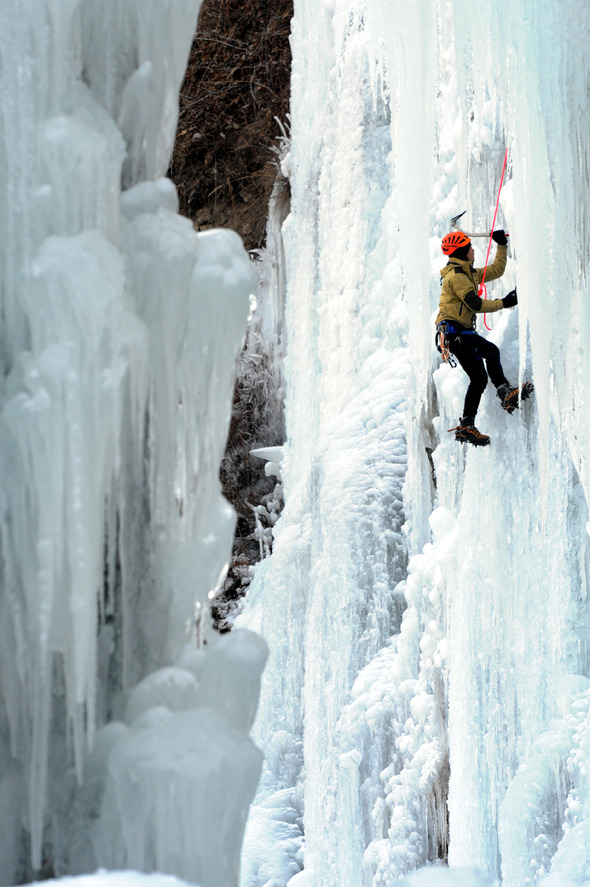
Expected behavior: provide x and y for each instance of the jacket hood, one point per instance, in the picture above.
(453, 264)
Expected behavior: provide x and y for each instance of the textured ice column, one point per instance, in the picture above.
(120, 329)
(572, 857)
(410, 81)
(551, 257)
(135, 54)
(59, 433)
(196, 332)
(540, 114)
(409, 65)
(325, 597)
(506, 582)
(544, 812)
(179, 780)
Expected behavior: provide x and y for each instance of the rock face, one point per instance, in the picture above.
(233, 104)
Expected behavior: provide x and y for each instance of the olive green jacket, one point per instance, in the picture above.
(459, 301)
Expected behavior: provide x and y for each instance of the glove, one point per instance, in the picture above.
(510, 300)
(500, 237)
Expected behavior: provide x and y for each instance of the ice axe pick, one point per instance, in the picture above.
(454, 221)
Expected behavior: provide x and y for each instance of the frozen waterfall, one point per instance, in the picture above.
(427, 696)
(121, 744)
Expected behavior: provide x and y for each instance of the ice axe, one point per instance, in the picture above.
(455, 219)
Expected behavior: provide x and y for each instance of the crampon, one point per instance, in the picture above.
(512, 399)
(468, 433)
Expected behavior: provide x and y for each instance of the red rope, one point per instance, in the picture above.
(482, 286)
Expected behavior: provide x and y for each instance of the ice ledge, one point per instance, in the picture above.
(274, 457)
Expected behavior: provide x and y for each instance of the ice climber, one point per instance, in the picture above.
(455, 325)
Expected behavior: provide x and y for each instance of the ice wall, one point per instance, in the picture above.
(120, 328)
(456, 731)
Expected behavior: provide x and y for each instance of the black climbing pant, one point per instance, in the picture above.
(471, 350)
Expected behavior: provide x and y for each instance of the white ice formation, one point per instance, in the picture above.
(120, 328)
(427, 692)
(426, 607)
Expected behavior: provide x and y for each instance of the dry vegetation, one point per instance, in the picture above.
(235, 90)
(233, 104)
(257, 421)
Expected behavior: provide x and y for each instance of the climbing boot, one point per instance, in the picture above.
(511, 397)
(466, 432)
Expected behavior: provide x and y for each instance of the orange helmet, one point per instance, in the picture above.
(453, 241)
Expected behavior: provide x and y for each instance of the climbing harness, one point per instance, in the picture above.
(443, 330)
(482, 291)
